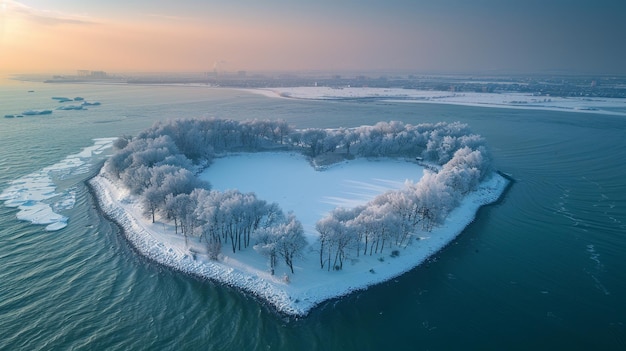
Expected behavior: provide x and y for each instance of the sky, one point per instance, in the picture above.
(522, 36)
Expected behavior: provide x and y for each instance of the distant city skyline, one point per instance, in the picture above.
(63, 36)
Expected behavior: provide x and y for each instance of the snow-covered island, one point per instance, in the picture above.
(328, 212)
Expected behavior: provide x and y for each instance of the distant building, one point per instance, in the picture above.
(85, 73)
(98, 74)
(241, 74)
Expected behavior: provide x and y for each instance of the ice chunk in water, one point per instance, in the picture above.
(31, 192)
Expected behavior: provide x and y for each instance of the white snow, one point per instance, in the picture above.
(34, 194)
(290, 181)
(612, 106)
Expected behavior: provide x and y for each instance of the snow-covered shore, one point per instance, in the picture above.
(248, 271)
(612, 106)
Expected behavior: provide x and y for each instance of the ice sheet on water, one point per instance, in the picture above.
(67, 200)
(56, 226)
(33, 193)
(71, 107)
(39, 213)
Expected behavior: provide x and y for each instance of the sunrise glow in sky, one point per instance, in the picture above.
(328, 35)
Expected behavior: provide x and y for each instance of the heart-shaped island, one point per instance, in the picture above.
(325, 212)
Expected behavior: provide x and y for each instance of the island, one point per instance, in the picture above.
(158, 187)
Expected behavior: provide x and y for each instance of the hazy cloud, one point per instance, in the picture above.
(167, 17)
(44, 17)
(415, 35)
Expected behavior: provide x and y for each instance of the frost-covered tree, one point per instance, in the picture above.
(291, 240)
(281, 130)
(325, 227)
(137, 179)
(151, 199)
(284, 240)
(231, 217)
(159, 166)
(401, 203)
(182, 181)
(170, 211)
(179, 208)
(336, 234)
(121, 142)
(206, 219)
(436, 200)
(349, 137)
(267, 246)
(314, 140)
(378, 222)
(332, 141)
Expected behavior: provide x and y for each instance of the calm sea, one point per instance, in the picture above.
(545, 268)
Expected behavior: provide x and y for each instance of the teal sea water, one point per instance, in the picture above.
(543, 268)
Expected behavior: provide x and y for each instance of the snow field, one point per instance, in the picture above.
(288, 179)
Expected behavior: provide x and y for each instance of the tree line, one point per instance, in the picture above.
(391, 219)
(160, 165)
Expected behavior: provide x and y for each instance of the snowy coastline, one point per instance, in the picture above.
(610, 106)
(308, 287)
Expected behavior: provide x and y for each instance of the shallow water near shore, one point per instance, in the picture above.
(542, 268)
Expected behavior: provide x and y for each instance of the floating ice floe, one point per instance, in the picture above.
(36, 112)
(36, 194)
(70, 107)
(61, 98)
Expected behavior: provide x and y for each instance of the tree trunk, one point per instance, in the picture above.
(365, 249)
(289, 261)
(239, 240)
(272, 262)
(329, 260)
(322, 255)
